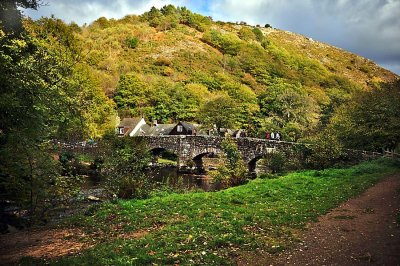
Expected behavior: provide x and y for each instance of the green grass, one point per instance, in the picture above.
(210, 228)
(166, 161)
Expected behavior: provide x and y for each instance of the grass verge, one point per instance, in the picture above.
(210, 228)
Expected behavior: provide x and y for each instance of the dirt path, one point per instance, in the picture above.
(50, 244)
(40, 244)
(361, 231)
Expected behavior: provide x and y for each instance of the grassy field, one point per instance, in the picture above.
(212, 228)
(166, 161)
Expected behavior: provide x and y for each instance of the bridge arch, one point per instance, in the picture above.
(165, 153)
(199, 162)
(252, 164)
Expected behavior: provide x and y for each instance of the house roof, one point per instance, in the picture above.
(130, 122)
(188, 126)
(143, 131)
(161, 129)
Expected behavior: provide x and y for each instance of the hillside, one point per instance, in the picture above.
(169, 64)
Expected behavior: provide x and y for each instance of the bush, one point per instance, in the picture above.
(265, 43)
(126, 160)
(246, 34)
(233, 171)
(276, 161)
(163, 61)
(268, 176)
(258, 33)
(324, 152)
(132, 42)
(226, 43)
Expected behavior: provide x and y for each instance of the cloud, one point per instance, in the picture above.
(368, 28)
(86, 11)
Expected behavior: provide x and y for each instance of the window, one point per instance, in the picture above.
(121, 130)
(179, 128)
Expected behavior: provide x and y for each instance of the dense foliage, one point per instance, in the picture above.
(46, 94)
(374, 115)
(232, 170)
(123, 168)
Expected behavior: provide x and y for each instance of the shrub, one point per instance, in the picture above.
(124, 167)
(324, 152)
(276, 161)
(258, 33)
(246, 34)
(132, 42)
(163, 61)
(233, 171)
(227, 43)
(265, 43)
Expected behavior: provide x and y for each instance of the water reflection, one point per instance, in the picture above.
(169, 175)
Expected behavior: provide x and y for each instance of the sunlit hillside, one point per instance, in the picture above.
(166, 64)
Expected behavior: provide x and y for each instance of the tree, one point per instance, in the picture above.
(39, 101)
(93, 112)
(125, 161)
(196, 21)
(233, 170)
(246, 34)
(221, 112)
(246, 101)
(131, 94)
(371, 119)
(10, 15)
(32, 106)
(325, 150)
(289, 105)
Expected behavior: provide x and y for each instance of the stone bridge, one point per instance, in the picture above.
(193, 148)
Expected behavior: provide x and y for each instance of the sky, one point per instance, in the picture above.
(370, 28)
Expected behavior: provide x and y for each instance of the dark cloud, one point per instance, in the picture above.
(368, 28)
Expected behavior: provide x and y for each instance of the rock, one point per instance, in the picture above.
(93, 198)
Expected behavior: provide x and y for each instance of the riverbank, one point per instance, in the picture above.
(265, 215)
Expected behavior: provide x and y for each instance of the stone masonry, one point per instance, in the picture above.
(193, 148)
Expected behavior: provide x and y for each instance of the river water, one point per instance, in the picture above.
(170, 176)
(162, 176)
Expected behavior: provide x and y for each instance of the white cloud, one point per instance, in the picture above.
(86, 11)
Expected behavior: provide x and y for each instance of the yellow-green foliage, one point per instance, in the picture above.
(175, 51)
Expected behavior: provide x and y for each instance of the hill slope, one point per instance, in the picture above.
(169, 64)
